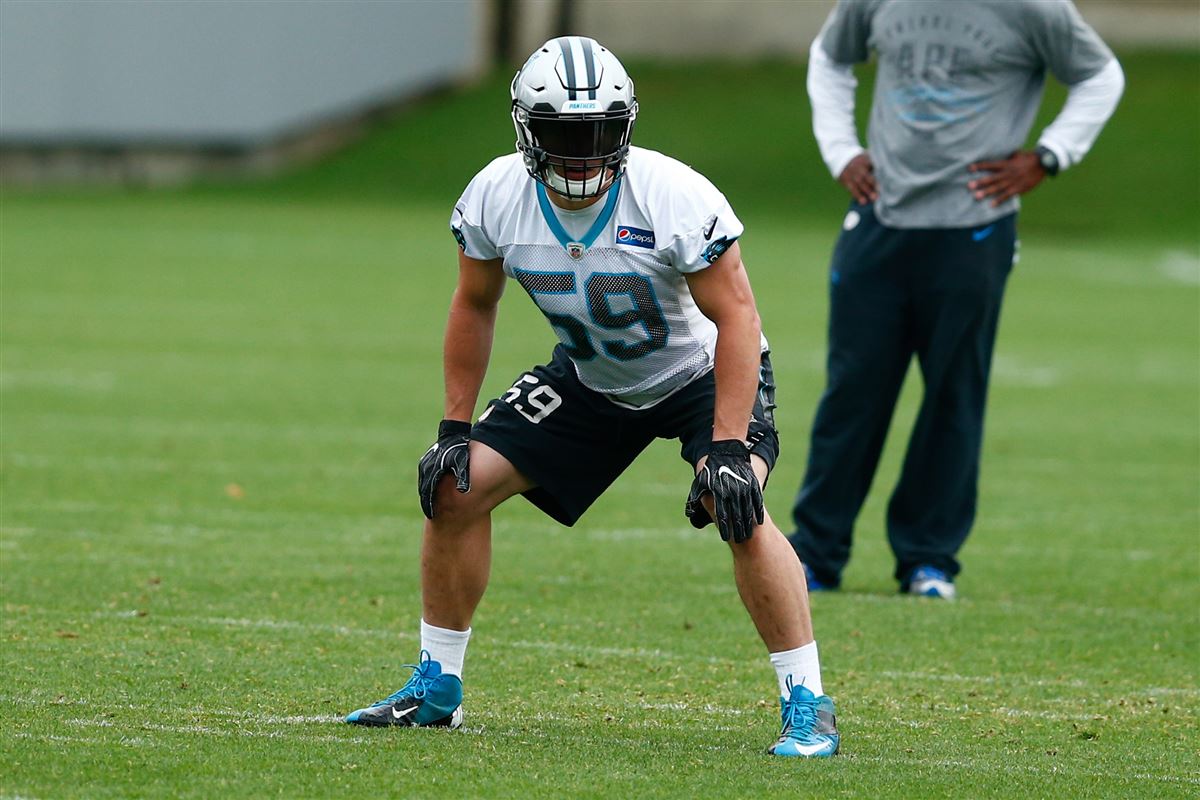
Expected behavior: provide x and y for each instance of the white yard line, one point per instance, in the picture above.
(608, 705)
(58, 379)
(1034, 608)
(58, 737)
(576, 649)
(209, 430)
(1050, 715)
(273, 624)
(17, 530)
(1010, 371)
(969, 764)
(1107, 690)
(1180, 266)
(643, 653)
(225, 512)
(207, 730)
(480, 721)
(229, 469)
(1175, 266)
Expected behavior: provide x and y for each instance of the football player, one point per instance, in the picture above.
(634, 260)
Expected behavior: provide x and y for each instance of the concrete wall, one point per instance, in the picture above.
(235, 73)
(757, 28)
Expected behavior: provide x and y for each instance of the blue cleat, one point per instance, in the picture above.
(814, 583)
(927, 581)
(429, 699)
(809, 726)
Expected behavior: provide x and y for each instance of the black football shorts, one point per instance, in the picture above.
(573, 442)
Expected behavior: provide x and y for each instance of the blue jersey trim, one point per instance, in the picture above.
(560, 233)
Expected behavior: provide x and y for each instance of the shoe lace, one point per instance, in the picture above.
(799, 715)
(418, 684)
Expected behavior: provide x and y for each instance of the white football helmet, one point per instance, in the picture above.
(573, 107)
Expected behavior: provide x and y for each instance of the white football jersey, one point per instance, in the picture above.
(609, 278)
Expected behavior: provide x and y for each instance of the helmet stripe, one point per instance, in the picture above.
(590, 60)
(564, 43)
(580, 76)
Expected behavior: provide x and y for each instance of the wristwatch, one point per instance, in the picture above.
(1047, 159)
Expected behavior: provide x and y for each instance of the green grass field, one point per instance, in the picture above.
(213, 404)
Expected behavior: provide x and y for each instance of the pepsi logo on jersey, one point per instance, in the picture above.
(635, 236)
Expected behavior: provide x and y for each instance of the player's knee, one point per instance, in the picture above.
(451, 507)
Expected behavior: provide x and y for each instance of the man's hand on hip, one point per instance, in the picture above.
(1015, 175)
(859, 179)
(449, 454)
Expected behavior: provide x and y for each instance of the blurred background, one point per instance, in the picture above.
(154, 93)
(225, 266)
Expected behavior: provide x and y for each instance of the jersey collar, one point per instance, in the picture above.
(576, 249)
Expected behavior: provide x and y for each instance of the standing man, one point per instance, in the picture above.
(926, 248)
(633, 259)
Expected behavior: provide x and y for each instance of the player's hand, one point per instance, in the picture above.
(737, 497)
(1015, 175)
(449, 454)
(859, 179)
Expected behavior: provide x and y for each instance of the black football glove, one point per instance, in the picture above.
(728, 477)
(450, 453)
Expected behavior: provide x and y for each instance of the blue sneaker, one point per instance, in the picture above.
(809, 725)
(815, 585)
(927, 581)
(429, 699)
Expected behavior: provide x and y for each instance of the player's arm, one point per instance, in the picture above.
(722, 293)
(465, 354)
(469, 330)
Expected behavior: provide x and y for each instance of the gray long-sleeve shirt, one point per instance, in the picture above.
(958, 82)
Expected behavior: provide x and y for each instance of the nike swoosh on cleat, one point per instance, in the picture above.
(402, 714)
(727, 471)
(811, 749)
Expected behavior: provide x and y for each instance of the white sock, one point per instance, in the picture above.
(802, 665)
(447, 647)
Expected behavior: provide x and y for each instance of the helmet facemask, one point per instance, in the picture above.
(573, 130)
(578, 156)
